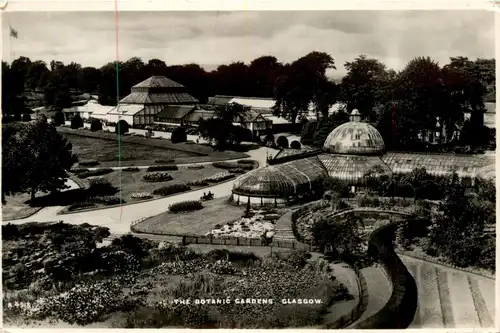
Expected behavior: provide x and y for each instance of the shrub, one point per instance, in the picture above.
(168, 167)
(76, 122)
(185, 206)
(59, 118)
(178, 135)
(269, 138)
(131, 169)
(368, 201)
(100, 185)
(157, 177)
(171, 189)
(97, 172)
(219, 177)
(199, 182)
(295, 145)
(122, 127)
(251, 162)
(88, 162)
(246, 166)
(141, 196)
(164, 161)
(282, 141)
(26, 117)
(95, 125)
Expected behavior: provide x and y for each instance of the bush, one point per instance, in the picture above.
(100, 185)
(295, 145)
(95, 125)
(200, 182)
(122, 127)
(157, 177)
(131, 169)
(26, 117)
(97, 172)
(368, 201)
(178, 135)
(171, 167)
(59, 118)
(171, 189)
(282, 141)
(185, 206)
(81, 205)
(76, 122)
(88, 162)
(269, 138)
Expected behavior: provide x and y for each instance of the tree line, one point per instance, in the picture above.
(402, 103)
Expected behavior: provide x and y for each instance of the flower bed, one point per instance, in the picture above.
(171, 189)
(198, 183)
(219, 177)
(88, 162)
(97, 172)
(236, 170)
(254, 227)
(225, 165)
(185, 206)
(81, 205)
(194, 166)
(107, 200)
(131, 169)
(141, 196)
(157, 177)
(171, 167)
(251, 162)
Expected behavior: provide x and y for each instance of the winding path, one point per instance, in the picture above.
(119, 218)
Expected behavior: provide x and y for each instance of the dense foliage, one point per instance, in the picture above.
(59, 118)
(76, 122)
(95, 125)
(282, 141)
(295, 144)
(185, 206)
(179, 135)
(122, 127)
(35, 158)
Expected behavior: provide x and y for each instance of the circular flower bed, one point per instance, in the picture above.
(141, 196)
(157, 177)
(219, 177)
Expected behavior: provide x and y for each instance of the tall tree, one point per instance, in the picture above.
(40, 157)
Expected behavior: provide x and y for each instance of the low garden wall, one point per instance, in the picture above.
(399, 311)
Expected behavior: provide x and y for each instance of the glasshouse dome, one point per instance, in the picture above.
(279, 184)
(355, 137)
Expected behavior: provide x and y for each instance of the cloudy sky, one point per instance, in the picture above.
(212, 38)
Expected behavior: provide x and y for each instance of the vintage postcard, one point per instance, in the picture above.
(248, 168)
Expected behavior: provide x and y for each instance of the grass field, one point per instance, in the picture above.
(215, 211)
(104, 150)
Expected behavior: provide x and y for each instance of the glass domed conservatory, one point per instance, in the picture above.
(350, 152)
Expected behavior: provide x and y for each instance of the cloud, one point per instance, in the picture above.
(211, 38)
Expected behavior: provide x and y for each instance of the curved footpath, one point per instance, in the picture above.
(119, 218)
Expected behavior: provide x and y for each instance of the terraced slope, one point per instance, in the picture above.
(448, 298)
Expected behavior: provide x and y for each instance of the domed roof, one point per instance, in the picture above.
(282, 180)
(488, 172)
(355, 138)
(266, 181)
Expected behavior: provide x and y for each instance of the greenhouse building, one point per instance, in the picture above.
(351, 152)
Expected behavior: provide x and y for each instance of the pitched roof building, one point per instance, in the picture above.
(148, 98)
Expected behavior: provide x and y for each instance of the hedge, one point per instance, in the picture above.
(131, 169)
(251, 162)
(170, 167)
(171, 189)
(225, 165)
(157, 177)
(200, 182)
(185, 206)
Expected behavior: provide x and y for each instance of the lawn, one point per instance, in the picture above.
(137, 150)
(104, 150)
(216, 211)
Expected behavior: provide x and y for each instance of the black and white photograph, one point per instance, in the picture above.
(248, 169)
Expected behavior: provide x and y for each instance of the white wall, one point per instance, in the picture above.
(256, 201)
